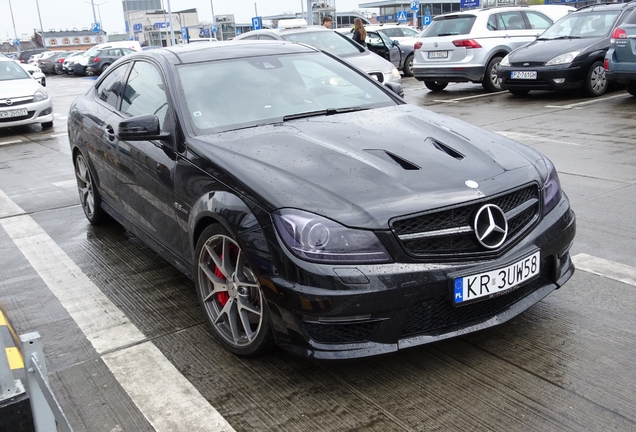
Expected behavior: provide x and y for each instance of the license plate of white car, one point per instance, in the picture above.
(13, 113)
(437, 54)
(523, 75)
(495, 282)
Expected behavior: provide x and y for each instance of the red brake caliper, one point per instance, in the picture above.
(222, 297)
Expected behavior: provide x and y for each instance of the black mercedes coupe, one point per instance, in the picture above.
(311, 205)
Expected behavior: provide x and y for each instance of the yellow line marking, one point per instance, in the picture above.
(3, 320)
(15, 358)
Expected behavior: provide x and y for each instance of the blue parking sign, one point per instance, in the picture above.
(415, 5)
(257, 23)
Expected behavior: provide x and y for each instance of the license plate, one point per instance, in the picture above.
(495, 282)
(13, 113)
(437, 54)
(523, 75)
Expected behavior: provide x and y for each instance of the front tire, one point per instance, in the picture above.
(230, 294)
(89, 196)
(596, 80)
(435, 86)
(491, 82)
(407, 68)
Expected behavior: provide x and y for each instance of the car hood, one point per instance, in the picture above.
(545, 50)
(18, 88)
(363, 168)
(370, 62)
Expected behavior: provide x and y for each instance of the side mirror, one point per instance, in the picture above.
(395, 88)
(141, 128)
(396, 42)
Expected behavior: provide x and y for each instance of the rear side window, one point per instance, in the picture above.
(538, 20)
(631, 19)
(111, 87)
(513, 20)
(450, 25)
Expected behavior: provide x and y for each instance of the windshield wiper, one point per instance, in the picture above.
(561, 37)
(328, 111)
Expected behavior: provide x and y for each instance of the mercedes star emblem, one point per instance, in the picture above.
(8, 102)
(491, 226)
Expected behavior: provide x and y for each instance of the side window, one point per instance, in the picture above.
(538, 20)
(392, 32)
(144, 92)
(266, 37)
(409, 32)
(492, 22)
(111, 87)
(374, 40)
(253, 37)
(513, 21)
(387, 41)
(631, 19)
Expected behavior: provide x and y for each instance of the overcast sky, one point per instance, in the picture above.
(63, 14)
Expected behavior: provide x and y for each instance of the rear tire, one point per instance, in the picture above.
(435, 86)
(631, 88)
(407, 68)
(104, 67)
(491, 83)
(596, 80)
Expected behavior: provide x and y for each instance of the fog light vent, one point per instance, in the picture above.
(559, 80)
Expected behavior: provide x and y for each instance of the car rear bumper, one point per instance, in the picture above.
(455, 74)
(621, 76)
(375, 309)
(548, 78)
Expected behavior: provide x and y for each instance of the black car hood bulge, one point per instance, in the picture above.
(545, 50)
(363, 168)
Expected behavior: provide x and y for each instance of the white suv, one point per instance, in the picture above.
(468, 46)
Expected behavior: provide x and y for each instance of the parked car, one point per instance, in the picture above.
(297, 30)
(569, 55)
(23, 100)
(312, 206)
(24, 56)
(101, 60)
(80, 62)
(47, 62)
(58, 67)
(620, 60)
(468, 46)
(34, 71)
(69, 62)
(396, 32)
(392, 50)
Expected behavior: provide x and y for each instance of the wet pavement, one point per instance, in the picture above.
(567, 364)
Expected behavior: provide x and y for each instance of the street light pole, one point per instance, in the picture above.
(37, 4)
(213, 23)
(14, 30)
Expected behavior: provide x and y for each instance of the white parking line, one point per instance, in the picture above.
(609, 269)
(59, 135)
(61, 117)
(66, 183)
(10, 142)
(471, 97)
(162, 394)
(579, 104)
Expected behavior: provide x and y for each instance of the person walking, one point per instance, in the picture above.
(359, 32)
(326, 21)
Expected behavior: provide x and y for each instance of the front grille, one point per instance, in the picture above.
(438, 315)
(12, 119)
(442, 234)
(15, 102)
(527, 64)
(341, 333)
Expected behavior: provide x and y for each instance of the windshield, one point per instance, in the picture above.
(328, 41)
(449, 25)
(239, 93)
(582, 25)
(10, 70)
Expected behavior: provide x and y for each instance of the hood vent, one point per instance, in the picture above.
(390, 157)
(446, 149)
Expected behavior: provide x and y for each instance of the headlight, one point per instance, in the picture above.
(318, 239)
(551, 185)
(40, 95)
(505, 61)
(563, 58)
(395, 73)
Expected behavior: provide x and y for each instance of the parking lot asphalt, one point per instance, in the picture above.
(566, 364)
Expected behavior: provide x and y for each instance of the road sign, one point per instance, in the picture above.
(401, 16)
(465, 4)
(415, 5)
(16, 42)
(184, 33)
(96, 27)
(427, 20)
(257, 23)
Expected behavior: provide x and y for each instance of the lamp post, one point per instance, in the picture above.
(37, 4)
(213, 23)
(99, 12)
(14, 30)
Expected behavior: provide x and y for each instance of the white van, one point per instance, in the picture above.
(80, 62)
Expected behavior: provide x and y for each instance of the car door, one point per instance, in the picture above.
(380, 44)
(146, 182)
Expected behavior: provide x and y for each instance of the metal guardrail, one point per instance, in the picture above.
(26, 353)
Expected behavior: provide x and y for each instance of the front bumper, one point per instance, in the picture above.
(455, 74)
(38, 112)
(364, 310)
(548, 77)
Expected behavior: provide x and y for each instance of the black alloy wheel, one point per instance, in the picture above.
(230, 294)
(89, 196)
